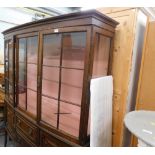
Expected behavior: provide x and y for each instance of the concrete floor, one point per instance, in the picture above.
(9, 142)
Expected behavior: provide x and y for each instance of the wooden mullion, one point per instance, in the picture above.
(17, 71)
(26, 72)
(39, 72)
(59, 91)
(85, 94)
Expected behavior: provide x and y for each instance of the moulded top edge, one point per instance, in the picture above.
(65, 17)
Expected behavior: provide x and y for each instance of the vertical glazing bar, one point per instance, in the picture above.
(25, 85)
(59, 81)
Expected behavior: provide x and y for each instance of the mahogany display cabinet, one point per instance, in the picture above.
(48, 67)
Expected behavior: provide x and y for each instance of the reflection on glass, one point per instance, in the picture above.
(101, 56)
(10, 44)
(49, 110)
(6, 50)
(71, 85)
(6, 70)
(10, 91)
(69, 118)
(74, 47)
(51, 49)
(32, 49)
(22, 97)
(22, 50)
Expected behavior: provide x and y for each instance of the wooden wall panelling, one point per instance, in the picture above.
(113, 9)
(146, 86)
(121, 65)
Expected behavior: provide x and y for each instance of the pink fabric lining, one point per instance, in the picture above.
(71, 85)
(70, 120)
(49, 109)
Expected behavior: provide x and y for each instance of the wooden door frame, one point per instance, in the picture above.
(17, 37)
(84, 112)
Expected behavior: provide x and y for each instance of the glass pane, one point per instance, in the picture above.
(51, 49)
(6, 87)
(10, 91)
(32, 49)
(101, 56)
(49, 111)
(71, 85)
(69, 118)
(6, 69)
(10, 61)
(6, 50)
(50, 82)
(31, 101)
(22, 74)
(22, 62)
(74, 47)
(32, 76)
(22, 97)
(22, 50)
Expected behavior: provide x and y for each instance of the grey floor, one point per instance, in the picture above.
(10, 143)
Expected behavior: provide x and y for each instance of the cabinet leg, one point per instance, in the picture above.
(5, 139)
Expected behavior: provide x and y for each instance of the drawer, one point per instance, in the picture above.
(27, 129)
(23, 142)
(48, 140)
(10, 119)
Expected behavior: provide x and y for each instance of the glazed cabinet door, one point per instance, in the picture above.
(9, 70)
(63, 72)
(27, 73)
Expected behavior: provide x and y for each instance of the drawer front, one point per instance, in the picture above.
(27, 129)
(48, 140)
(10, 119)
(23, 142)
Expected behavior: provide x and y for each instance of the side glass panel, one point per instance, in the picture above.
(6, 69)
(22, 62)
(22, 73)
(10, 46)
(27, 74)
(50, 78)
(32, 58)
(101, 56)
(9, 70)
